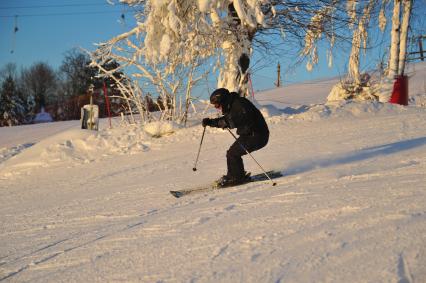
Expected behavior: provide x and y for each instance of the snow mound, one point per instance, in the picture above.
(270, 111)
(160, 128)
(344, 109)
(267, 110)
(74, 146)
(344, 91)
(418, 100)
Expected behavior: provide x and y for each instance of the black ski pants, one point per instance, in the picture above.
(236, 151)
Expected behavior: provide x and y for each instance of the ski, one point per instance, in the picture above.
(214, 186)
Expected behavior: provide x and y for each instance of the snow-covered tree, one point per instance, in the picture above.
(356, 85)
(11, 109)
(359, 40)
(178, 36)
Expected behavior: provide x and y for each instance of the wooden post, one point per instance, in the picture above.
(107, 103)
(278, 83)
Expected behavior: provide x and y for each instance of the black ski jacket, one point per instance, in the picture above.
(238, 112)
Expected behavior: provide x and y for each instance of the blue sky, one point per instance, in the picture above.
(46, 29)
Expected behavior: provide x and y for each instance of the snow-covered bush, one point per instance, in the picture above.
(160, 128)
(350, 90)
(172, 81)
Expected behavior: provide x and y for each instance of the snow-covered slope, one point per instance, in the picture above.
(83, 206)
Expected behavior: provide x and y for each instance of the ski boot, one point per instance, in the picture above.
(226, 181)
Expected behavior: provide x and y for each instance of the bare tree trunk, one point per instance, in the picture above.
(188, 96)
(354, 58)
(407, 4)
(395, 37)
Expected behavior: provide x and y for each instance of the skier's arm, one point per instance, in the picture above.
(216, 123)
(219, 122)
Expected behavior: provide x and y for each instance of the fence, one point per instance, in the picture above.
(417, 55)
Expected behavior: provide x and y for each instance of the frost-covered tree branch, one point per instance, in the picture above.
(359, 41)
(171, 36)
(226, 31)
(130, 50)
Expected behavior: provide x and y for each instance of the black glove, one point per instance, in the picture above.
(207, 122)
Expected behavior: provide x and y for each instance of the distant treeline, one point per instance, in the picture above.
(61, 93)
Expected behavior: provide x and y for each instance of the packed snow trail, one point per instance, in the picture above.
(267, 176)
(354, 190)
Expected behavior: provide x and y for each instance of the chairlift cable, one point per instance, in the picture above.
(15, 30)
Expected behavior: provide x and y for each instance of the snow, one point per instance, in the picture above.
(88, 206)
(165, 45)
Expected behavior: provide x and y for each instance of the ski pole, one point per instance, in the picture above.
(264, 172)
(199, 149)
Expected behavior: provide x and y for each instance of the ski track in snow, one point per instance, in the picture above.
(6, 153)
(349, 208)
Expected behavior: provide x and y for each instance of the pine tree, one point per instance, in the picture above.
(11, 109)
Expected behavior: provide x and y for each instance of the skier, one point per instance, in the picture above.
(238, 112)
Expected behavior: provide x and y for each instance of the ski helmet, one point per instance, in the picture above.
(218, 97)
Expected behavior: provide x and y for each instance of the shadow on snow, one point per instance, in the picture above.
(364, 154)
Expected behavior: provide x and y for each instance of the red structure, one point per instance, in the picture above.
(107, 103)
(400, 91)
